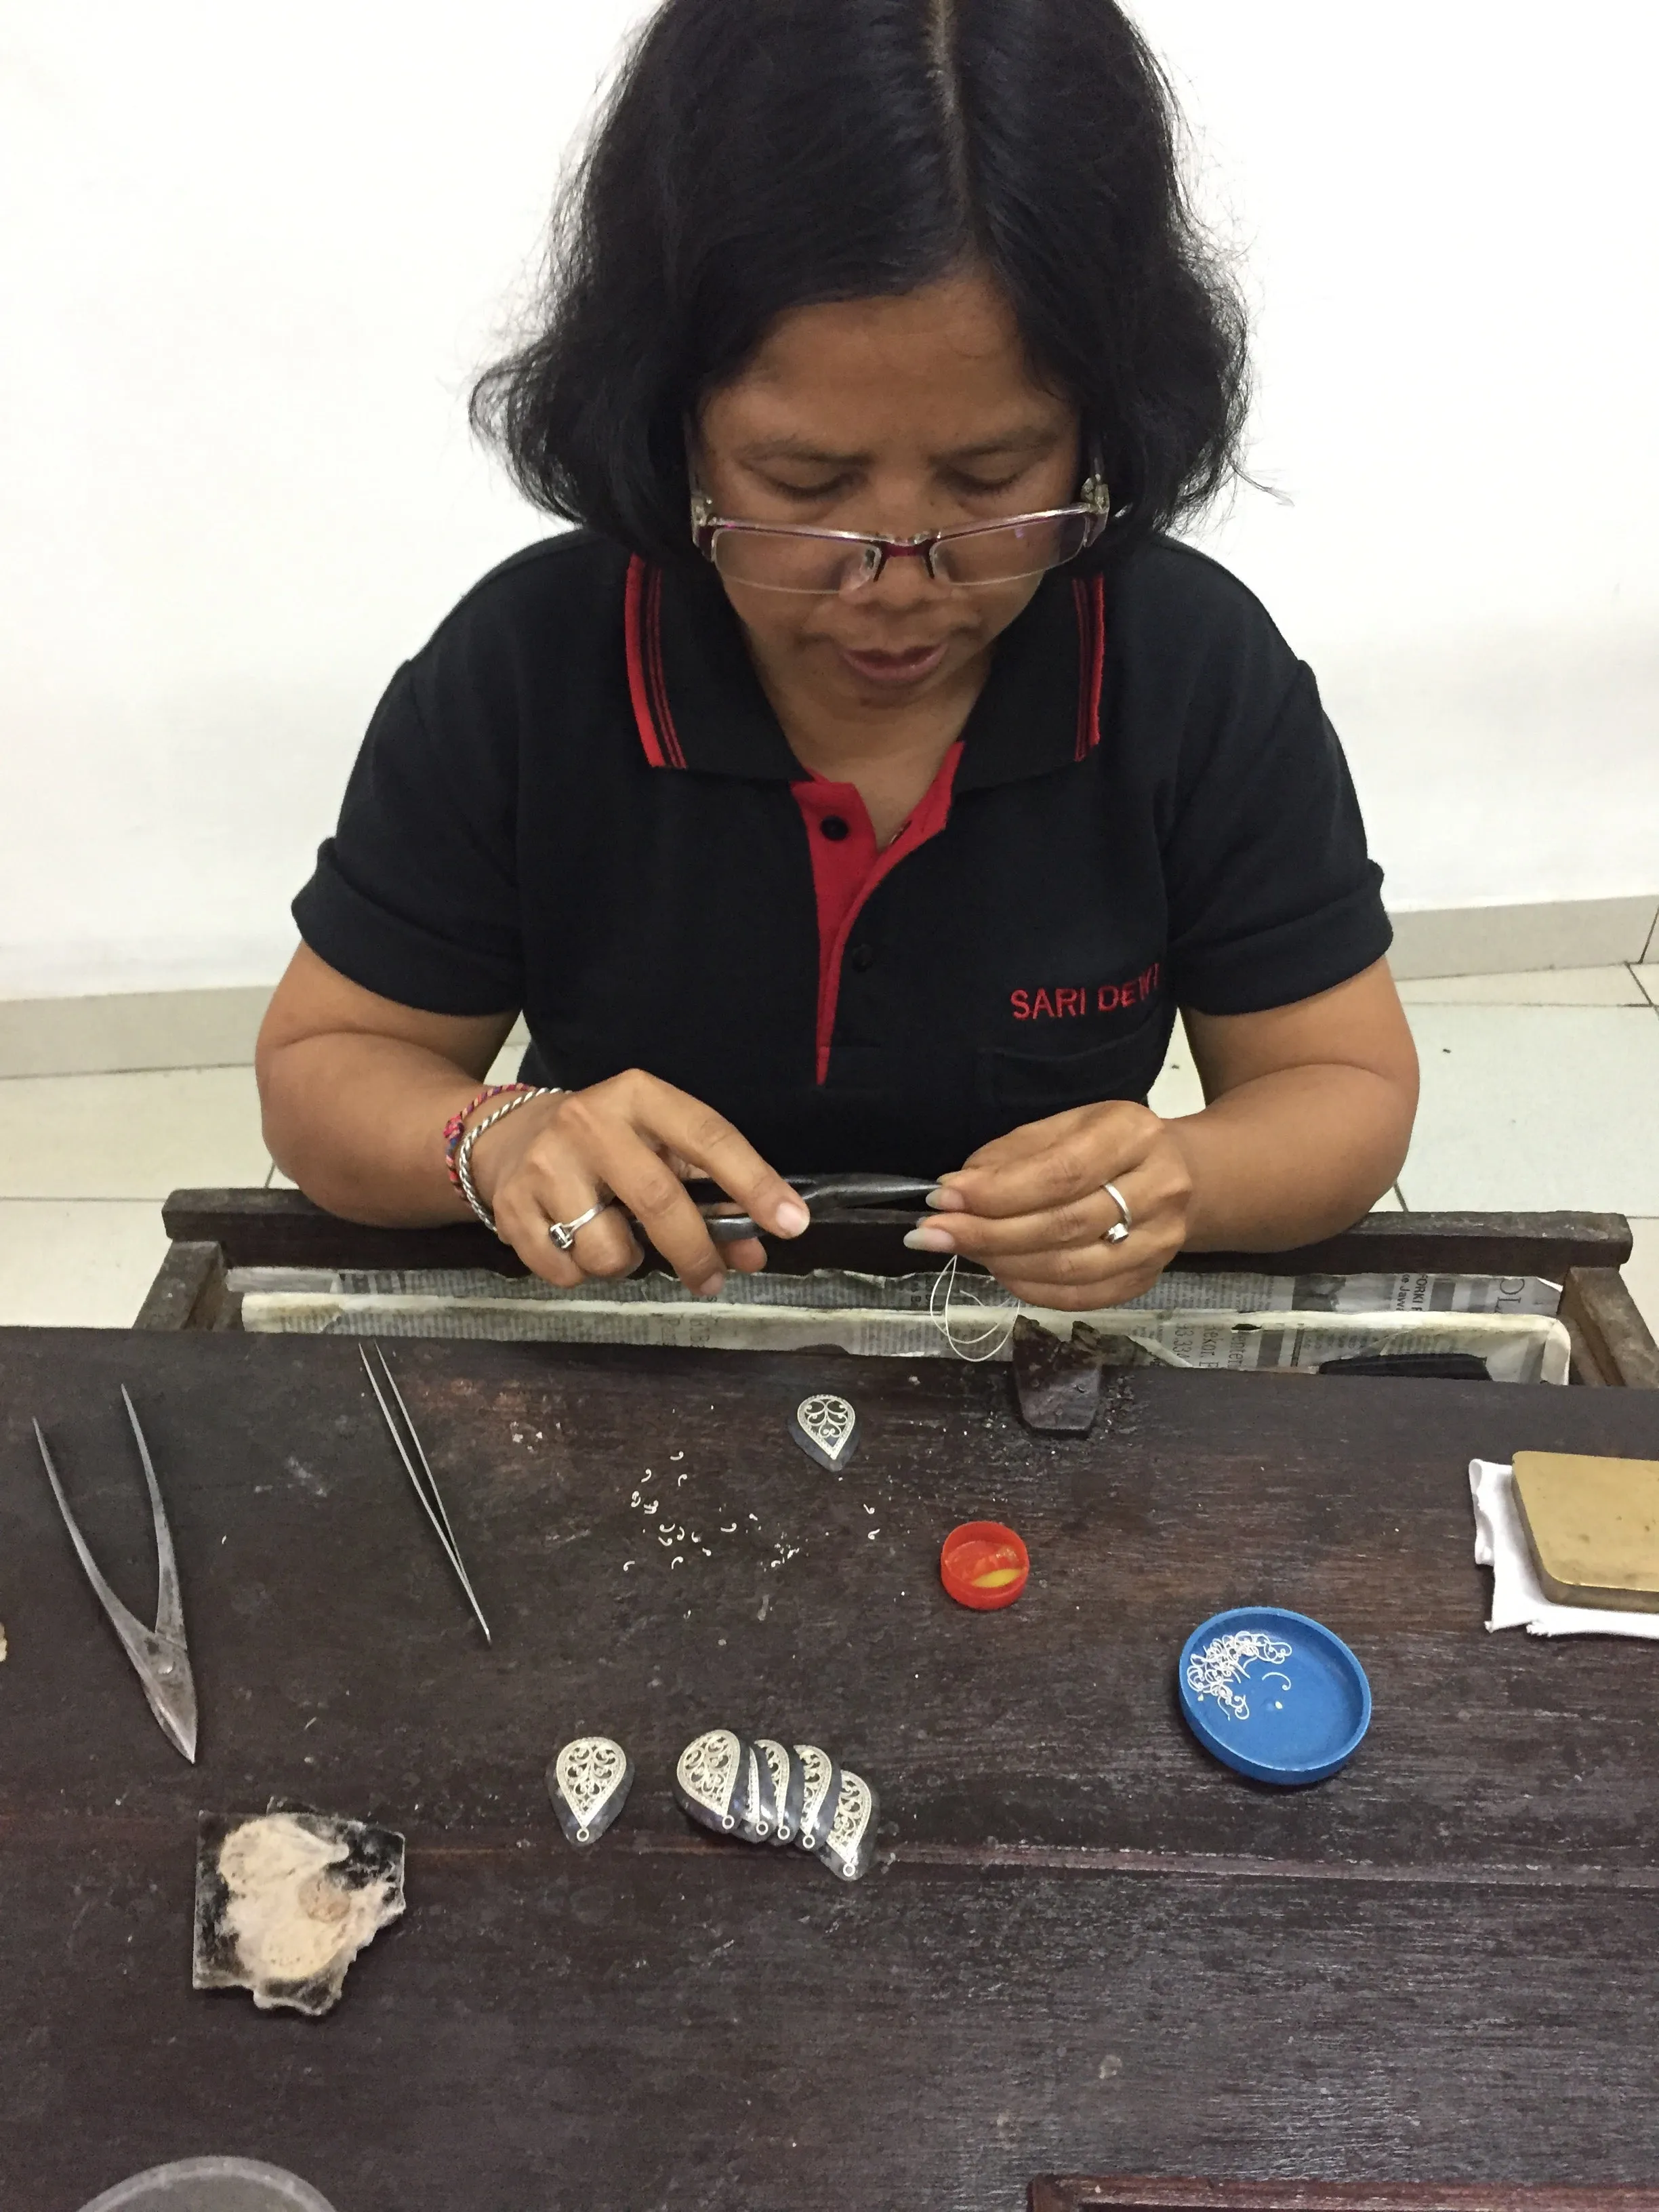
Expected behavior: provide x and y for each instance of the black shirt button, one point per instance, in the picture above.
(863, 957)
(833, 828)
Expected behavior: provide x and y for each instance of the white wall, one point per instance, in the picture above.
(248, 260)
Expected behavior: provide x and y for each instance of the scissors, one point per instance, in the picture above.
(159, 1654)
(824, 1193)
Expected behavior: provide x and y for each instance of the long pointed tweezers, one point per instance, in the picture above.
(427, 1492)
(159, 1655)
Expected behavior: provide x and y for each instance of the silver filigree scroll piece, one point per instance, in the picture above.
(1222, 1669)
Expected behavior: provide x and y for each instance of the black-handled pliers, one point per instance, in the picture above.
(831, 1195)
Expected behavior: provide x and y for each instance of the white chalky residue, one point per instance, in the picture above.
(290, 1917)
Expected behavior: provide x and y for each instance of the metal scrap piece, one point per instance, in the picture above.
(1057, 1383)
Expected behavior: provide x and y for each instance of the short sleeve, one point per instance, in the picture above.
(415, 896)
(1272, 896)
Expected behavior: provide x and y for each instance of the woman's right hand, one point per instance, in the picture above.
(632, 1138)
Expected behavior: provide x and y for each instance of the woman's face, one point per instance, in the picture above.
(894, 417)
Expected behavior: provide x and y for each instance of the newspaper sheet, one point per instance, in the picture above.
(894, 1316)
(1180, 1290)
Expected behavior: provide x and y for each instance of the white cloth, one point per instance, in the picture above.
(1517, 1597)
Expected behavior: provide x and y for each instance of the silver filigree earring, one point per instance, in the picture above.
(825, 1427)
(709, 1780)
(850, 1845)
(820, 1795)
(588, 1782)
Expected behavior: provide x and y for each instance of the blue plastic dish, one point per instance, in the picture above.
(1273, 1695)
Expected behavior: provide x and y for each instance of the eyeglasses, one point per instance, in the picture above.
(769, 557)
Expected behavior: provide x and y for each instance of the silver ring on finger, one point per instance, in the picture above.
(564, 1233)
(1118, 1233)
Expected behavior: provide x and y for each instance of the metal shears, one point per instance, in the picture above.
(831, 1195)
(160, 1655)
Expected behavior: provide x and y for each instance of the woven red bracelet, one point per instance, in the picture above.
(455, 1126)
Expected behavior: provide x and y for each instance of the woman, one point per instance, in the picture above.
(869, 781)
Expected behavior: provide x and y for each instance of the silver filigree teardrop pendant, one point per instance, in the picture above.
(850, 1845)
(708, 1781)
(785, 1779)
(588, 1782)
(820, 1795)
(825, 1427)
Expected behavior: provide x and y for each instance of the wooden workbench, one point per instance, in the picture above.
(214, 1231)
(1085, 1948)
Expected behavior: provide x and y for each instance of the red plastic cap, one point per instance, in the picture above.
(984, 1565)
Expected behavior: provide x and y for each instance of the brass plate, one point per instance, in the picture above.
(1594, 1528)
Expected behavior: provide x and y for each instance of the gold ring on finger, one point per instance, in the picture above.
(564, 1233)
(1120, 1230)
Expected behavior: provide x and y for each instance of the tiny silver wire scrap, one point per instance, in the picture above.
(428, 1494)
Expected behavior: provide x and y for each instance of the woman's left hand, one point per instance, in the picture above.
(1034, 1208)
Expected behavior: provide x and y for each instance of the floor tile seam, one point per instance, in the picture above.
(107, 1074)
(148, 1199)
(1456, 1008)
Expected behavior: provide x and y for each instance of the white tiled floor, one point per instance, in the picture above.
(129, 1136)
(1538, 1092)
(77, 1263)
(1546, 987)
(1536, 1106)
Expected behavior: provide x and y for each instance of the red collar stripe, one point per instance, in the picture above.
(642, 630)
(1091, 597)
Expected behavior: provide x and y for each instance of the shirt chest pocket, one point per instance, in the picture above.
(1021, 1087)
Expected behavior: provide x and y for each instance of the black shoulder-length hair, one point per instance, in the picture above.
(756, 155)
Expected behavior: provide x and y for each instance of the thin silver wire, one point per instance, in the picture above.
(429, 1495)
(994, 1336)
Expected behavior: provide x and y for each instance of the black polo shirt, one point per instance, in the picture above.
(576, 800)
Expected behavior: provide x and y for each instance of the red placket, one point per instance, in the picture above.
(847, 869)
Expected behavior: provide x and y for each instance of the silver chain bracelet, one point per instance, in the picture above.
(463, 1156)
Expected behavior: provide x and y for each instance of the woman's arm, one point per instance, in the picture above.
(1308, 1113)
(1309, 1116)
(356, 1089)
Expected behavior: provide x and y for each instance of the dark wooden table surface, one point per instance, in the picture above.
(1086, 1947)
